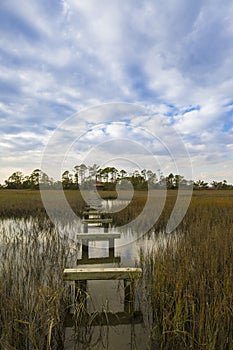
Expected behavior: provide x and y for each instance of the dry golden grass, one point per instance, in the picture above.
(187, 285)
(191, 282)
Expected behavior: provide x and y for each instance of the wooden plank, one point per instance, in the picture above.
(104, 319)
(106, 260)
(98, 236)
(102, 273)
(94, 212)
(97, 232)
(97, 221)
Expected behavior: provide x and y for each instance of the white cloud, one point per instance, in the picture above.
(198, 120)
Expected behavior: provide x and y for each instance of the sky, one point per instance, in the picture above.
(174, 58)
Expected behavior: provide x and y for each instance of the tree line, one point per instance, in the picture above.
(83, 176)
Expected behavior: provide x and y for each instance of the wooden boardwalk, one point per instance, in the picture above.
(80, 276)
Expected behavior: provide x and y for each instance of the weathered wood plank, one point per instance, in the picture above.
(102, 273)
(94, 212)
(97, 221)
(105, 260)
(105, 318)
(98, 236)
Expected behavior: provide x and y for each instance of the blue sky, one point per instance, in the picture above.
(61, 57)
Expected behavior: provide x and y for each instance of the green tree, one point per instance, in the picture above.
(76, 176)
(151, 177)
(15, 181)
(178, 180)
(200, 185)
(34, 179)
(67, 180)
(123, 173)
(93, 171)
(170, 181)
(82, 173)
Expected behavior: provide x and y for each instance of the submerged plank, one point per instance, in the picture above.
(101, 273)
(96, 220)
(105, 260)
(94, 212)
(105, 319)
(98, 236)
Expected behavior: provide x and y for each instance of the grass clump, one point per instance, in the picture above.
(33, 295)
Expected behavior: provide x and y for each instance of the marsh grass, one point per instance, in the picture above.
(189, 281)
(33, 295)
(28, 203)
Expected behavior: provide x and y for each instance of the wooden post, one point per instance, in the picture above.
(106, 226)
(85, 227)
(80, 293)
(85, 250)
(85, 243)
(111, 247)
(129, 296)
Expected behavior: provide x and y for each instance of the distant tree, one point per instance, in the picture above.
(85, 177)
(105, 174)
(67, 180)
(143, 173)
(220, 185)
(82, 172)
(215, 185)
(200, 185)
(170, 181)
(76, 176)
(123, 173)
(33, 180)
(113, 174)
(224, 184)
(15, 181)
(151, 177)
(93, 171)
(45, 181)
(178, 180)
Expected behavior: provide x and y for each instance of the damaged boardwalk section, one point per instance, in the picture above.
(81, 275)
(128, 275)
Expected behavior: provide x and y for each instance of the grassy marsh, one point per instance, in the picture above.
(187, 287)
(190, 284)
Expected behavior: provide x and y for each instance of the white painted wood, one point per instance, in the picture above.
(102, 273)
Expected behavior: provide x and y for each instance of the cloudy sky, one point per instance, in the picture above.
(174, 57)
